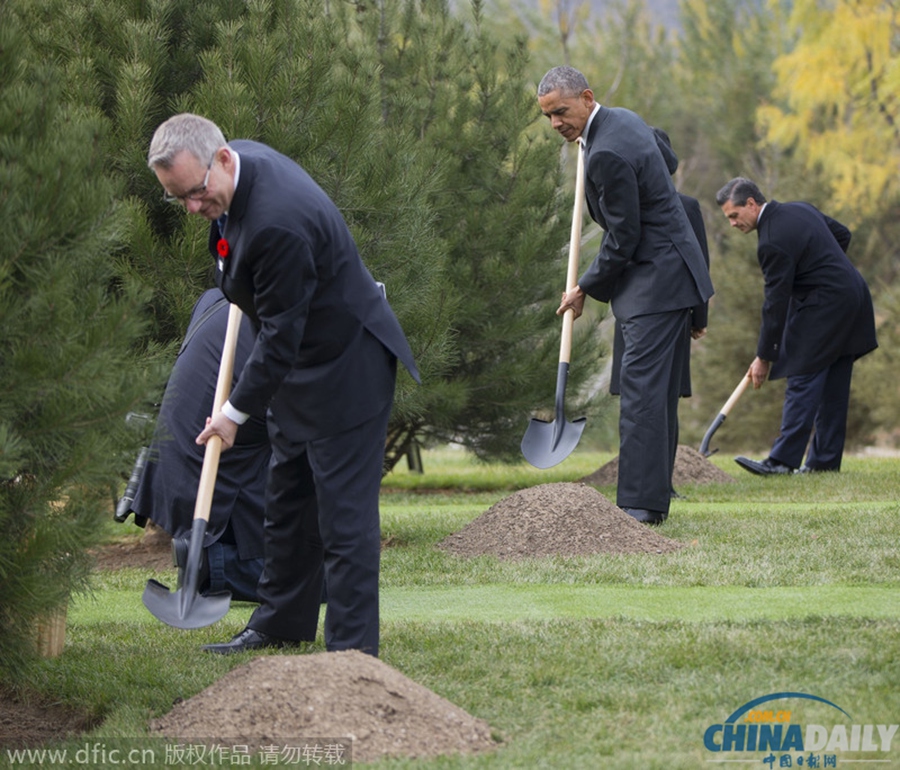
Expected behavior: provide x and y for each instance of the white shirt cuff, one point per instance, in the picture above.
(233, 414)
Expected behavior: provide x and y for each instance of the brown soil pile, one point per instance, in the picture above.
(561, 519)
(691, 467)
(350, 697)
(328, 699)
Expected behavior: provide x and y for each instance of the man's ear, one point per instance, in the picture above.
(224, 156)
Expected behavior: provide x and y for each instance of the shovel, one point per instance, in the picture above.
(186, 608)
(546, 444)
(720, 418)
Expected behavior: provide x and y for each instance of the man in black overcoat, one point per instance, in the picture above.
(817, 319)
(650, 269)
(167, 492)
(322, 370)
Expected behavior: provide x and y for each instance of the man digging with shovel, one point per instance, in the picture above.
(817, 319)
(650, 269)
(322, 370)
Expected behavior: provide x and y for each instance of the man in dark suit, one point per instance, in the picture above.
(817, 319)
(167, 491)
(322, 369)
(699, 313)
(650, 269)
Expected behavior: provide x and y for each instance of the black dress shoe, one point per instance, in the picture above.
(767, 467)
(248, 639)
(645, 516)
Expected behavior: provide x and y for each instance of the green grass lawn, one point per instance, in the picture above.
(787, 585)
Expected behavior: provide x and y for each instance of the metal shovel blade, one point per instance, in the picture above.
(546, 444)
(704, 445)
(186, 608)
(720, 417)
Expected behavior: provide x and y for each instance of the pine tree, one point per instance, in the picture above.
(286, 74)
(429, 147)
(499, 211)
(420, 128)
(68, 326)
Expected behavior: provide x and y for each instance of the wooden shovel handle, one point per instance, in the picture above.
(736, 394)
(223, 388)
(565, 347)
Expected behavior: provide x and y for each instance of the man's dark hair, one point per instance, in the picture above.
(738, 190)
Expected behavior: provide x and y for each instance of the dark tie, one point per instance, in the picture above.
(222, 221)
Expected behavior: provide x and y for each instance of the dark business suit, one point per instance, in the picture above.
(817, 319)
(323, 367)
(651, 270)
(699, 313)
(168, 488)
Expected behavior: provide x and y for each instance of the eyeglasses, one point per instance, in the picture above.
(193, 195)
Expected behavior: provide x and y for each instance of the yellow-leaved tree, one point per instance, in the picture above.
(839, 92)
(839, 111)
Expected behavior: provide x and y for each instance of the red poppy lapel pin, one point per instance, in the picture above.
(222, 248)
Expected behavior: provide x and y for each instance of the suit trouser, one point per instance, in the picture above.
(322, 522)
(614, 390)
(656, 347)
(819, 401)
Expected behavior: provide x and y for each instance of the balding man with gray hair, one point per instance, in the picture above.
(321, 372)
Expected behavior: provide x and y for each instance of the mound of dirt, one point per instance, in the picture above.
(330, 699)
(349, 698)
(691, 467)
(560, 519)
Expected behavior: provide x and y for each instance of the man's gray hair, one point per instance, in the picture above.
(184, 133)
(738, 191)
(567, 80)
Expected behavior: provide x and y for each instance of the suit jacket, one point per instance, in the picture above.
(699, 313)
(649, 259)
(168, 489)
(817, 306)
(325, 354)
